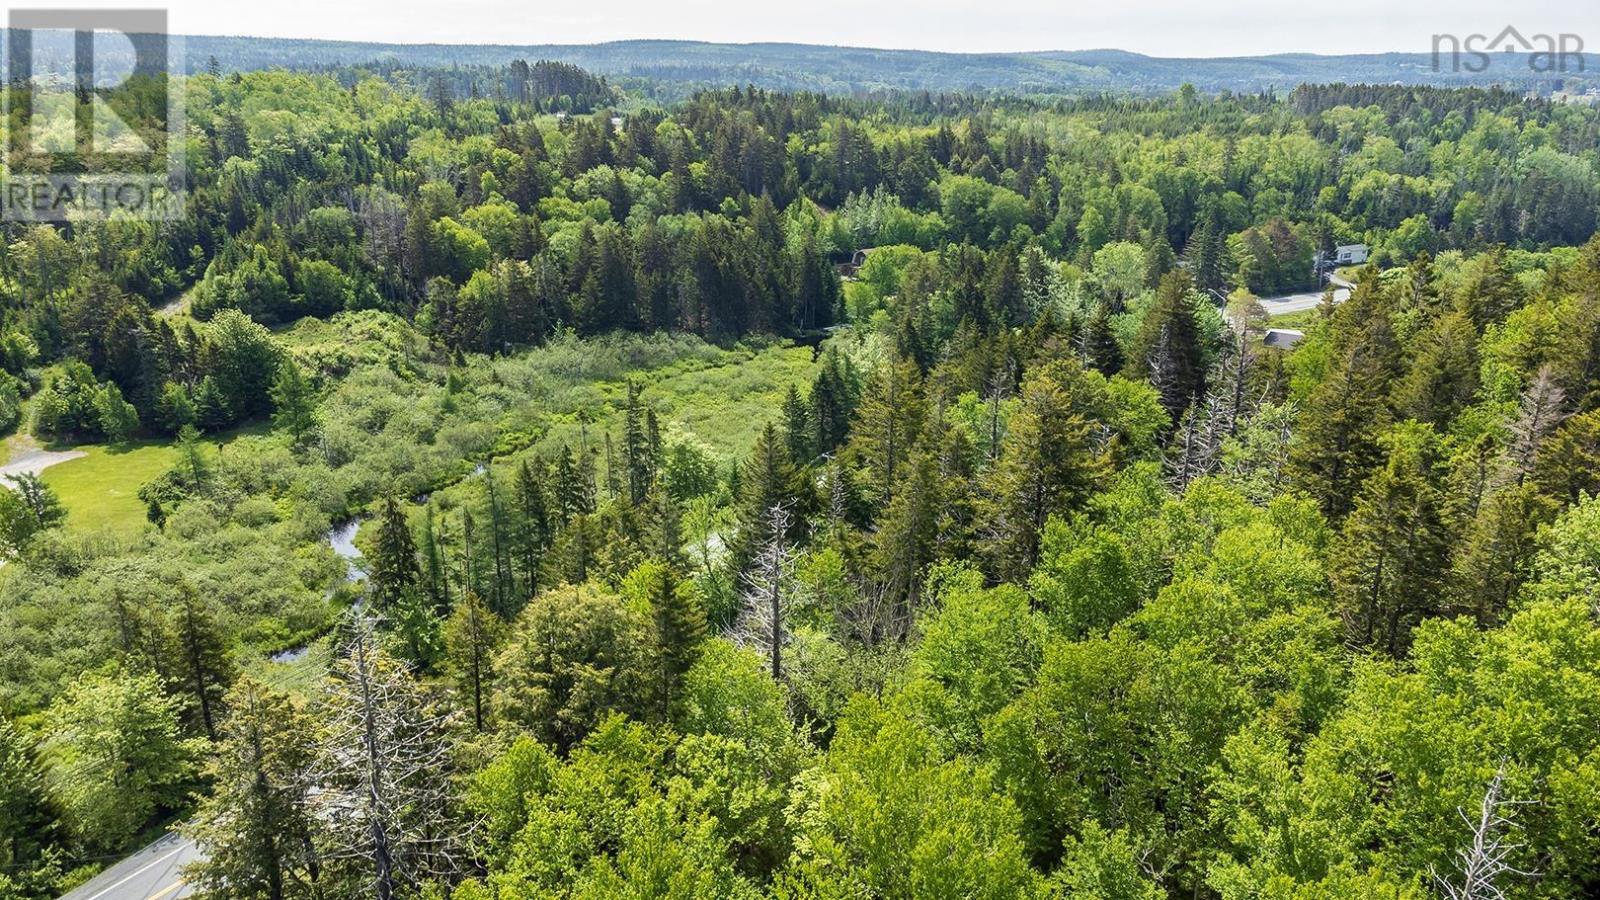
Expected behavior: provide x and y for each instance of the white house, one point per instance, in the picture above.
(1350, 254)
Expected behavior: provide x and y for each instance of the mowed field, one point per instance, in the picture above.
(100, 489)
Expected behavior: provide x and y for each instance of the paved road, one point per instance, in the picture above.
(150, 874)
(1292, 303)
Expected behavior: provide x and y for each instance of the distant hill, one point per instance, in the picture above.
(691, 64)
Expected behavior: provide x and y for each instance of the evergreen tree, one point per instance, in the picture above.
(293, 402)
(1443, 372)
(797, 427)
(1159, 258)
(207, 668)
(255, 828)
(500, 546)
(533, 524)
(1167, 349)
(768, 479)
(1100, 346)
(1336, 443)
(1496, 552)
(636, 448)
(1569, 464)
(1389, 563)
(394, 559)
(472, 637)
(569, 492)
(435, 560)
(195, 468)
(887, 424)
(1207, 252)
(833, 402)
(1048, 465)
(211, 410)
(679, 619)
(907, 538)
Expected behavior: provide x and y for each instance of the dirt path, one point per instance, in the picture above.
(33, 460)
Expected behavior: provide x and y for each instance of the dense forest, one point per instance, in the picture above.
(783, 495)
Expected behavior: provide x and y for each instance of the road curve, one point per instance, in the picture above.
(153, 873)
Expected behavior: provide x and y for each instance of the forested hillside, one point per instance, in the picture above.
(672, 69)
(777, 495)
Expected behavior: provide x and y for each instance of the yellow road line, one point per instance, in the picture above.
(136, 873)
(166, 890)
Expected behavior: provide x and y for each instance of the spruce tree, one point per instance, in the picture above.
(472, 636)
(1167, 349)
(1389, 563)
(887, 425)
(1100, 346)
(533, 523)
(1336, 442)
(1048, 465)
(768, 479)
(211, 409)
(435, 559)
(394, 559)
(679, 618)
(207, 667)
(833, 402)
(1496, 552)
(907, 537)
(636, 447)
(797, 427)
(1443, 373)
(255, 829)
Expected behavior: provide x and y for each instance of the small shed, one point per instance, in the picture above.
(857, 260)
(1282, 338)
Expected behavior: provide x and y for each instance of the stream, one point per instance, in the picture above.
(342, 539)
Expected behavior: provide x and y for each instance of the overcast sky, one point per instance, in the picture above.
(1159, 27)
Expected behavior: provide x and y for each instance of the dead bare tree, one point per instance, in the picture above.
(1248, 321)
(1195, 450)
(1484, 861)
(876, 616)
(1543, 407)
(762, 624)
(382, 779)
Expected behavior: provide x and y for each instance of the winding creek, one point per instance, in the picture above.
(342, 539)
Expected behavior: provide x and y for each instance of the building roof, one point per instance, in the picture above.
(1282, 338)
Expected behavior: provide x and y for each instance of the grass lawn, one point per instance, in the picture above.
(1298, 321)
(101, 489)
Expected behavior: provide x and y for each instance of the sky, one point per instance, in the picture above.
(1156, 27)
